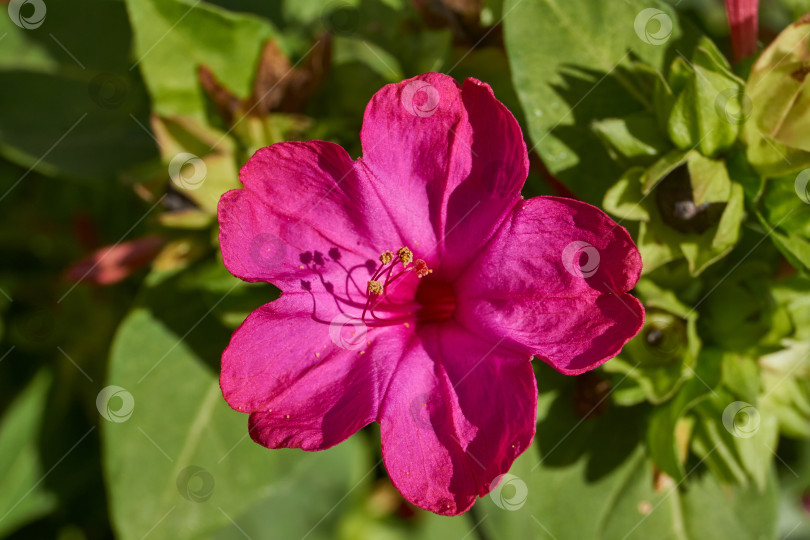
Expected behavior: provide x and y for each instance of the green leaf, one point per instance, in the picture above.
(352, 49)
(636, 137)
(740, 313)
(173, 38)
(706, 113)
(786, 387)
(73, 115)
(23, 497)
(661, 168)
(785, 211)
(664, 353)
(201, 161)
(743, 437)
(624, 199)
(778, 92)
(702, 243)
(664, 435)
(571, 66)
(710, 180)
(183, 465)
(590, 478)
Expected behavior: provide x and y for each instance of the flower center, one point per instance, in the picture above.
(433, 300)
(399, 290)
(436, 299)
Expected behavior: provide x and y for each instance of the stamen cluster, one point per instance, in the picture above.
(378, 287)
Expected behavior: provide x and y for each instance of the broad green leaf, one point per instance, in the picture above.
(636, 137)
(23, 497)
(201, 161)
(785, 203)
(710, 180)
(183, 465)
(590, 478)
(737, 439)
(662, 167)
(571, 66)
(625, 198)
(741, 376)
(785, 212)
(353, 49)
(775, 131)
(173, 38)
(73, 114)
(707, 111)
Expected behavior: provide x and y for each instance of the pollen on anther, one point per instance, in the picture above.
(386, 257)
(421, 268)
(375, 287)
(405, 255)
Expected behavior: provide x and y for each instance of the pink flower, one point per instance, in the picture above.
(417, 285)
(742, 19)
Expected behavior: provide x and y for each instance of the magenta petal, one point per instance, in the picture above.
(554, 283)
(302, 389)
(456, 415)
(451, 162)
(301, 198)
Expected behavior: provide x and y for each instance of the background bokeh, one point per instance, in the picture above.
(121, 123)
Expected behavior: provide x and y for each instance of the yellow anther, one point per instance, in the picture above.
(386, 257)
(405, 255)
(421, 268)
(375, 287)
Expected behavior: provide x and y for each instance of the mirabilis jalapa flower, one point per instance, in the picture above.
(417, 284)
